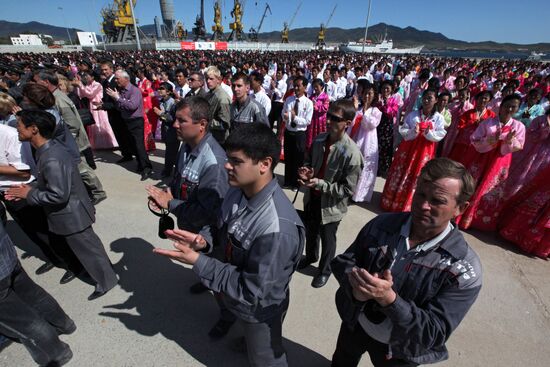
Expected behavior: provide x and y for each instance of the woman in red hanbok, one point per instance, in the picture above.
(421, 131)
(462, 150)
(457, 108)
(525, 220)
(147, 93)
(320, 107)
(494, 140)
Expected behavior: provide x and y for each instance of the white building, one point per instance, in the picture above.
(26, 40)
(87, 38)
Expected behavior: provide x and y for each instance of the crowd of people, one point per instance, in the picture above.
(460, 143)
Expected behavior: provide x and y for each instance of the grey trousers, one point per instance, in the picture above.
(264, 342)
(91, 181)
(89, 249)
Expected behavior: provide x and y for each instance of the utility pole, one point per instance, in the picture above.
(66, 26)
(135, 25)
(366, 29)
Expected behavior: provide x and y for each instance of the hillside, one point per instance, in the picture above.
(402, 37)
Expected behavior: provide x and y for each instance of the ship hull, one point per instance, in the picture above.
(380, 50)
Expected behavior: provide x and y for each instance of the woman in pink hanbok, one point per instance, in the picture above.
(457, 109)
(320, 107)
(389, 105)
(100, 134)
(525, 220)
(421, 131)
(534, 157)
(494, 140)
(363, 132)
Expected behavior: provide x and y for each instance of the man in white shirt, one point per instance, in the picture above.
(258, 92)
(297, 114)
(183, 87)
(278, 88)
(267, 79)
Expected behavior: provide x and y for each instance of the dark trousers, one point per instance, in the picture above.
(352, 344)
(121, 132)
(136, 127)
(170, 137)
(88, 154)
(275, 114)
(316, 231)
(31, 315)
(88, 248)
(33, 222)
(295, 148)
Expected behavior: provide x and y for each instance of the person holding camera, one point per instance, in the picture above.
(297, 114)
(409, 279)
(200, 180)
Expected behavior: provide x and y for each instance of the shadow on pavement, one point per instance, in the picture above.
(160, 295)
(111, 157)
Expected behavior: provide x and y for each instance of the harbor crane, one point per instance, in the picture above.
(253, 33)
(321, 36)
(217, 28)
(286, 26)
(236, 27)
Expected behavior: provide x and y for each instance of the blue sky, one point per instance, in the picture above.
(468, 20)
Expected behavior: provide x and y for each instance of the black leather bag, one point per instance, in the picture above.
(86, 116)
(165, 221)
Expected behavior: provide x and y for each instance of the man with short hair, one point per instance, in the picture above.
(331, 172)
(70, 115)
(196, 83)
(245, 109)
(165, 113)
(129, 101)
(200, 183)
(408, 279)
(219, 105)
(297, 113)
(182, 87)
(263, 238)
(258, 92)
(60, 192)
(278, 90)
(122, 134)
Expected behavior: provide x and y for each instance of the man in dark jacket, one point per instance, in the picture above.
(409, 279)
(60, 192)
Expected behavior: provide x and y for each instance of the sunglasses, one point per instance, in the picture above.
(335, 118)
(192, 80)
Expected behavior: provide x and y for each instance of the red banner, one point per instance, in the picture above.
(187, 45)
(221, 45)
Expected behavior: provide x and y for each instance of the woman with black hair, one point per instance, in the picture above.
(421, 131)
(494, 141)
(462, 150)
(388, 104)
(320, 107)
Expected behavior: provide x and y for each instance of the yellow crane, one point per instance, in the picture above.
(236, 26)
(322, 30)
(286, 26)
(217, 28)
(118, 24)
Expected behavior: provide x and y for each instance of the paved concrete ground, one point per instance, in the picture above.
(150, 319)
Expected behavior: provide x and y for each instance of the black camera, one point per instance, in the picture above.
(293, 125)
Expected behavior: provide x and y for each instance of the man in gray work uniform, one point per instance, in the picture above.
(263, 238)
(200, 181)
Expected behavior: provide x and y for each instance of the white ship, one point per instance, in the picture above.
(384, 47)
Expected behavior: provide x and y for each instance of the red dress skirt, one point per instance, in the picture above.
(410, 158)
(525, 219)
